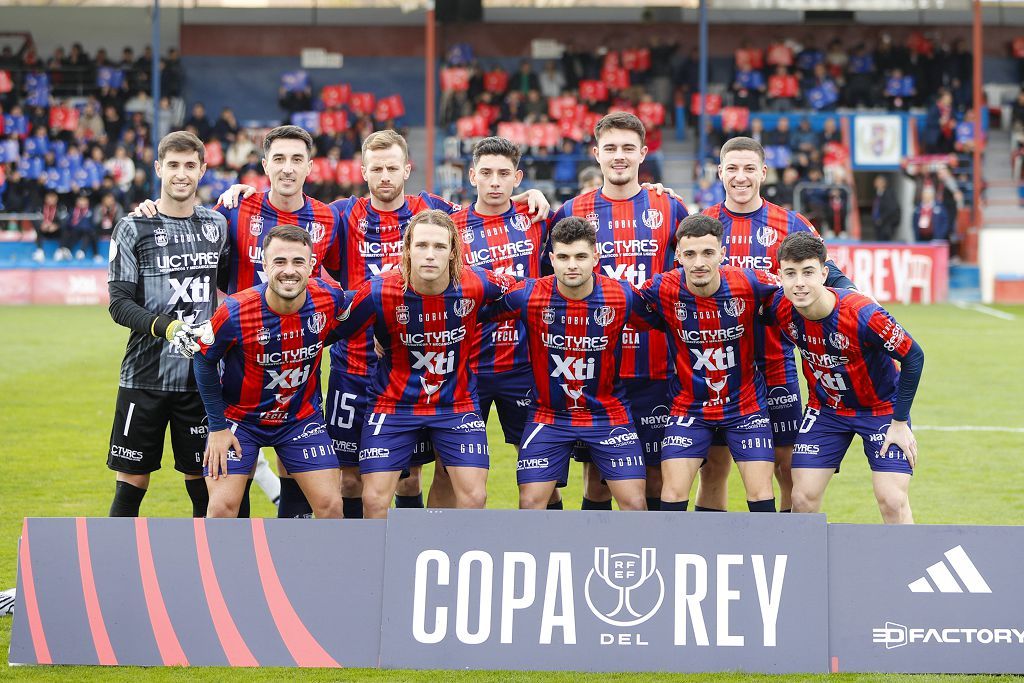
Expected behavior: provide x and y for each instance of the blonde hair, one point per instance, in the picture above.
(441, 220)
(385, 139)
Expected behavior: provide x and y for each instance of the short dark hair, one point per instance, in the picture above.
(288, 133)
(288, 233)
(572, 229)
(180, 141)
(742, 144)
(502, 147)
(801, 246)
(699, 225)
(620, 120)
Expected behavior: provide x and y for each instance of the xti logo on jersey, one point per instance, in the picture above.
(271, 370)
(635, 241)
(712, 341)
(252, 219)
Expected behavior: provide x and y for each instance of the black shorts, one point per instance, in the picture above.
(141, 417)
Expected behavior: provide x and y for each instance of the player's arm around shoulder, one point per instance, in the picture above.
(641, 313)
(356, 311)
(510, 305)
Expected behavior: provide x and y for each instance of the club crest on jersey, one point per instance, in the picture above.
(604, 316)
(467, 236)
(735, 307)
(210, 231)
(363, 225)
(794, 332)
(317, 322)
(594, 219)
(402, 315)
(520, 222)
(767, 235)
(160, 235)
(548, 315)
(316, 231)
(263, 336)
(839, 341)
(256, 225)
(652, 218)
(464, 307)
(680, 310)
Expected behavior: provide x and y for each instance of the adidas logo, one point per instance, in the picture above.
(943, 578)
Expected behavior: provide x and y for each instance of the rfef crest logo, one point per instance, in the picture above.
(624, 589)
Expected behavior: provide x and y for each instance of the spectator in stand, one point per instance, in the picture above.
(782, 192)
(820, 90)
(931, 218)
(239, 151)
(535, 108)
(198, 120)
(805, 138)
(781, 136)
(106, 215)
(889, 56)
(90, 123)
(50, 226)
(172, 74)
(524, 80)
(830, 132)
(566, 170)
(963, 135)
(885, 210)
(112, 122)
(809, 57)
(551, 79)
(860, 79)
(80, 230)
(139, 190)
(590, 178)
(900, 90)
(292, 101)
(783, 89)
(837, 59)
(747, 87)
(756, 131)
(226, 127)
(121, 168)
(940, 125)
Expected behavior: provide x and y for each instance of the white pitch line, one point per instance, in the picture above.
(968, 428)
(995, 313)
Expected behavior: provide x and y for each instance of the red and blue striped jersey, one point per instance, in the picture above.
(271, 369)
(511, 244)
(848, 356)
(252, 219)
(371, 244)
(752, 240)
(427, 340)
(576, 348)
(712, 340)
(636, 239)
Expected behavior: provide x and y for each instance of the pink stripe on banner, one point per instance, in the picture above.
(303, 647)
(98, 629)
(28, 600)
(167, 642)
(235, 649)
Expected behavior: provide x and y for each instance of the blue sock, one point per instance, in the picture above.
(596, 504)
(293, 503)
(675, 506)
(352, 508)
(409, 501)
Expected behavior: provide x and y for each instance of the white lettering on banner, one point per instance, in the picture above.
(894, 635)
(885, 272)
(509, 602)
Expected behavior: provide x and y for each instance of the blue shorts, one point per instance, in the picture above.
(300, 447)
(544, 453)
(748, 438)
(649, 403)
(825, 437)
(345, 410)
(784, 413)
(389, 442)
(510, 393)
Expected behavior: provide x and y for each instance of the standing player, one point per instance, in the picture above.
(271, 338)
(754, 230)
(636, 240)
(371, 232)
(424, 315)
(848, 344)
(162, 277)
(497, 234)
(573, 321)
(712, 311)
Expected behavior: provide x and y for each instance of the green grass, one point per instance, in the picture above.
(58, 379)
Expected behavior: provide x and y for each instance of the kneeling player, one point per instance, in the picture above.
(847, 342)
(711, 311)
(574, 321)
(424, 315)
(271, 338)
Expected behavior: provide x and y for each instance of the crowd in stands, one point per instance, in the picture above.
(76, 125)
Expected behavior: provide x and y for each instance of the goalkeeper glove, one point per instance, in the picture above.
(185, 337)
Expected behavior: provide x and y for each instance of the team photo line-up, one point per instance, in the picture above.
(647, 343)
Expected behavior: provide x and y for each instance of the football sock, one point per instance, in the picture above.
(409, 501)
(267, 480)
(293, 503)
(243, 507)
(698, 508)
(761, 505)
(556, 505)
(654, 504)
(352, 508)
(199, 494)
(127, 500)
(676, 506)
(787, 510)
(596, 504)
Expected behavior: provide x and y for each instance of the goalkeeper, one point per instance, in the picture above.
(162, 279)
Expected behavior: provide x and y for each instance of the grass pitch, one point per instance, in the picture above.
(58, 379)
